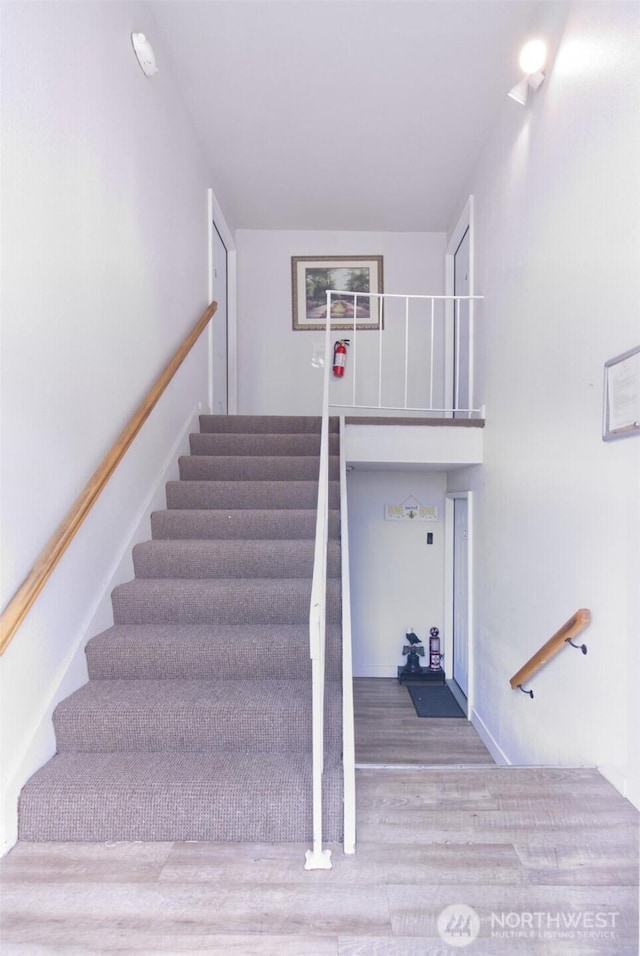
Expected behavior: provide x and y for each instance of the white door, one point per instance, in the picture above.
(461, 594)
(219, 269)
(461, 263)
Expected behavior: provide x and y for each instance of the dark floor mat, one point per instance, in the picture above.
(434, 701)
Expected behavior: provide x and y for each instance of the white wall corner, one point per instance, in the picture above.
(627, 783)
(464, 221)
(216, 216)
(489, 740)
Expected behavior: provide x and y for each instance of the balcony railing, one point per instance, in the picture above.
(407, 354)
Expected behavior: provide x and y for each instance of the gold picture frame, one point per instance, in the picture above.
(360, 277)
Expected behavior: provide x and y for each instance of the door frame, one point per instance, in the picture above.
(216, 220)
(449, 592)
(464, 223)
(219, 326)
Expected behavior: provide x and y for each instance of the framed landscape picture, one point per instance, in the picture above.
(313, 276)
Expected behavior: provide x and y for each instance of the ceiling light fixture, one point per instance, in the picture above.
(144, 53)
(532, 59)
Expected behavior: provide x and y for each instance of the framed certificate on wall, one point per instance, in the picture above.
(621, 404)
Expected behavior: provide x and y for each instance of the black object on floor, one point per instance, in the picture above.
(424, 676)
(430, 701)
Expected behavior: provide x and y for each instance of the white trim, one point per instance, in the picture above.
(461, 700)
(471, 676)
(626, 784)
(215, 215)
(448, 592)
(447, 644)
(348, 731)
(232, 332)
(464, 223)
(221, 223)
(489, 740)
(210, 295)
(318, 858)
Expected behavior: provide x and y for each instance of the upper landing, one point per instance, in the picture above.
(413, 443)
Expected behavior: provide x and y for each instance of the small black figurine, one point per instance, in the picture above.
(413, 653)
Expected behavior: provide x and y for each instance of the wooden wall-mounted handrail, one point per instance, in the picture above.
(22, 601)
(570, 629)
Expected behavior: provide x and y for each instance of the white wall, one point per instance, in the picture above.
(104, 268)
(397, 579)
(275, 375)
(557, 200)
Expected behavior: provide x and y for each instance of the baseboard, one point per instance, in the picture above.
(488, 739)
(461, 700)
(139, 528)
(374, 670)
(628, 784)
(40, 742)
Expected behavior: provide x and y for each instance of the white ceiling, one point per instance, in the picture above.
(343, 114)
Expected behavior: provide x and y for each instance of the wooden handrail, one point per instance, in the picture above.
(569, 629)
(22, 601)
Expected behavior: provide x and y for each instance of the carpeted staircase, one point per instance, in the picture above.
(196, 720)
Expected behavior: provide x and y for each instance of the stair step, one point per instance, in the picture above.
(265, 424)
(259, 495)
(208, 797)
(220, 601)
(271, 524)
(251, 716)
(196, 721)
(253, 468)
(231, 559)
(280, 444)
(231, 651)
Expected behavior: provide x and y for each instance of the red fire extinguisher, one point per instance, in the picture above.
(434, 649)
(340, 357)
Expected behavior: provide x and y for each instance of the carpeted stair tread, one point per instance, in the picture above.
(253, 468)
(252, 716)
(196, 721)
(248, 494)
(220, 601)
(231, 651)
(273, 445)
(210, 797)
(231, 559)
(266, 424)
(272, 524)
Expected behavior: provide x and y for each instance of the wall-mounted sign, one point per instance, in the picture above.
(410, 510)
(621, 408)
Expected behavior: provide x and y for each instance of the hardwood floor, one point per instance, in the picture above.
(547, 860)
(389, 732)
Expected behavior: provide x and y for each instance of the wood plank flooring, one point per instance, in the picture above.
(388, 730)
(547, 860)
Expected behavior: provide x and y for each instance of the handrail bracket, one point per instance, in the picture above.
(569, 630)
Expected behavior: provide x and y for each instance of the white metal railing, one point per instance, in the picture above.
(427, 342)
(317, 858)
(411, 353)
(348, 730)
